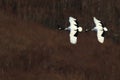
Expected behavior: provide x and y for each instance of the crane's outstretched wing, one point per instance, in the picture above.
(73, 38)
(100, 37)
(97, 23)
(73, 23)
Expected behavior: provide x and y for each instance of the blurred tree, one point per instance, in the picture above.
(56, 12)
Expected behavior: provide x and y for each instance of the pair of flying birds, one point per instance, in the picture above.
(75, 29)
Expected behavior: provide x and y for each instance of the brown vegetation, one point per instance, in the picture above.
(50, 12)
(31, 51)
(56, 12)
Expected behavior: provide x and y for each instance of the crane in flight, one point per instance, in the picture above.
(100, 29)
(74, 29)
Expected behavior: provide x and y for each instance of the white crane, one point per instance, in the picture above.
(100, 29)
(74, 30)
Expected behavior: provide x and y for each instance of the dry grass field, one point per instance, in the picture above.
(31, 48)
(29, 51)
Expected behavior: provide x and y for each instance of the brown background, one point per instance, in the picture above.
(31, 47)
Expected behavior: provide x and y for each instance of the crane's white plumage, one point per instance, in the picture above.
(100, 37)
(73, 39)
(74, 29)
(100, 30)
